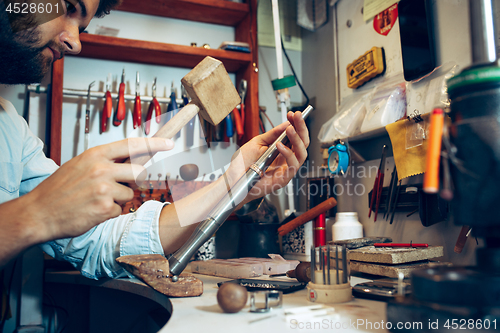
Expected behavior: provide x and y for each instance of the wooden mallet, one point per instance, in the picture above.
(212, 94)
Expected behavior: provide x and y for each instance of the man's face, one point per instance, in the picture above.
(26, 55)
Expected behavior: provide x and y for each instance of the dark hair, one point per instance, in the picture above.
(105, 7)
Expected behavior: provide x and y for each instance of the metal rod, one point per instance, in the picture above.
(328, 263)
(482, 29)
(100, 94)
(337, 262)
(344, 264)
(322, 259)
(313, 264)
(218, 215)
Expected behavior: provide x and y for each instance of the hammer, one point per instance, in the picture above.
(212, 94)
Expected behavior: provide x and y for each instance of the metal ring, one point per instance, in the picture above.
(268, 294)
(257, 170)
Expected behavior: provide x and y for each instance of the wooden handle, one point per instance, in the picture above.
(171, 128)
(307, 216)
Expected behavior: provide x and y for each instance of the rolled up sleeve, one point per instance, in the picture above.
(94, 252)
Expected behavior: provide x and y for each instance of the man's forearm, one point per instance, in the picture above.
(178, 220)
(19, 229)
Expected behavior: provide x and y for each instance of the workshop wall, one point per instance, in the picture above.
(353, 37)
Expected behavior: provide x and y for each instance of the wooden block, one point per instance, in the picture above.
(153, 269)
(393, 271)
(211, 89)
(388, 255)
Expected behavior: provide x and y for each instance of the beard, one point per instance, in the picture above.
(21, 60)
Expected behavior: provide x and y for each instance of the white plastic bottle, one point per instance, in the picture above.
(347, 226)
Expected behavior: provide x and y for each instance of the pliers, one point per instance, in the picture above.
(154, 105)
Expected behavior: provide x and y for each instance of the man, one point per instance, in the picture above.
(63, 208)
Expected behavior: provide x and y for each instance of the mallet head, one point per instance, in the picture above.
(211, 89)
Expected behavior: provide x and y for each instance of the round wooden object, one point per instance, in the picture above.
(232, 297)
(188, 172)
(333, 293)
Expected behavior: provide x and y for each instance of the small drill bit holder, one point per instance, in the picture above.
(330, 282)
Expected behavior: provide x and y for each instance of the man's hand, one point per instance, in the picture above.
(284, 167)
(89, 188)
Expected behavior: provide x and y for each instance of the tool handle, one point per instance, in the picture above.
(137, 112)
(147, 125)
(104, 119)
(462, 239)
(379, 194)
(108, 105)
(239, 123)
(171, 128)
(307, 216)
(431, 176)
(242, 114)
(229, 126)
(157, 110)
(120, 109)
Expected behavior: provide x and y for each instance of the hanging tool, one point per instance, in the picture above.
(239, 117)
(190, 125)
(154, 105)
(137, 116)
(173, 108)
(226, 206)
(388, 201)
(120, 108)
(396, 199)
(377, 186)
(107, 111)
(87, 119)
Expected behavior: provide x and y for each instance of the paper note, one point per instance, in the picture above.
(373, 7)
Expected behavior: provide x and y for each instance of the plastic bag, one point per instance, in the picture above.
(347, 120)
(387, 105)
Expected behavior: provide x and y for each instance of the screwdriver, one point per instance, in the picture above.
(137, 116)
(120, 108)
(172, 106)
(107, 111)
(154, 105)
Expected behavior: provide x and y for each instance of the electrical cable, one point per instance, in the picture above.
(296, 79)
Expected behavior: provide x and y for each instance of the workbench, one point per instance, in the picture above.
(194, 314)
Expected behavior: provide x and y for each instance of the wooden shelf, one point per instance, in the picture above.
(221, 12)
(130, 50)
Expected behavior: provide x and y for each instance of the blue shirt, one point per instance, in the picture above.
(23, 166)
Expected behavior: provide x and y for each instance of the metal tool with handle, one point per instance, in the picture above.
(153, 106)
(107, 110)
(120, 108)
(137, 105)
(87, 119)
(173, 108)
(226, 206)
